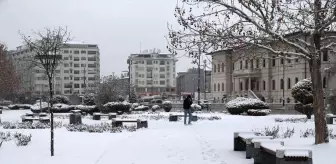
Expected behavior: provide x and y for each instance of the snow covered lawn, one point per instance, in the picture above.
(204, 142)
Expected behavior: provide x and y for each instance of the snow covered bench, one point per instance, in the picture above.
(256, 148)
(249, 141)
(0, 111)
(241, 139)
(276, 153)
(97, 116)
(32, 119)
(140, 123)
(174, 117)
(331, 119)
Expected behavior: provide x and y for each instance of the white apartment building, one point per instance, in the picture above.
(78, 71)
(236, 72)
(153, 73)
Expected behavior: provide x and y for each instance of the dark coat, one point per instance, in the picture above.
(187, 103)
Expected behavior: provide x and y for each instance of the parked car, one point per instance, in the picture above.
(155, 102)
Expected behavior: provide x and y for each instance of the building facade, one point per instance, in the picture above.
(153, 73)
(237, 72)
(187, 82)
(78, 71)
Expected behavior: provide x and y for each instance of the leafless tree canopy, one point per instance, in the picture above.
(305, 27)
(110, 90)
(9, 81)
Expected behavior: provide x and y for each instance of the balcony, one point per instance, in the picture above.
(251, 72)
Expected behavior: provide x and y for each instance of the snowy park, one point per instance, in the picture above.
(209, 140)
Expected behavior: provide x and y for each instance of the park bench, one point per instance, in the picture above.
(140, 123)
(174, 117)
(30, 117)
(331, 119)
(97, 116)
(75, 117)
(256, 143)
(272, 153)
(243, 142)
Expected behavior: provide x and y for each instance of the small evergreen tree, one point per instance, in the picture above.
(89, 99)
(302, 92)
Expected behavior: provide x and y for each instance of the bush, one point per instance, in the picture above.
(36, 107)
(87, 109)
(167, 106)
(116, 107)
(62, 108)
(141, 108)
(21, 139)
(98, 128)
(89, 99)
(60, 99)
(302, 92)
(155, 108)
(241, 105)
(29, 125)
(19, 106)
(196, 107)
(258, 112)
(275, 132)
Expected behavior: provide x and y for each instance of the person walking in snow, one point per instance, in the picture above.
(187, 109)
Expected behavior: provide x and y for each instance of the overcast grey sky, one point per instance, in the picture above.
(117, 26)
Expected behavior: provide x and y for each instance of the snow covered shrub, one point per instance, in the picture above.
(36, 108)
(257, 112)
(60, 99)
(141, 108)
(240, 105)
(97, 128)
(214, 118)
(167, 106)
(291, 120)
(275, 132)
(29, 125)
(89, 99)
(196, 107)
(19, 106)
(116, 107)
(87, 109)
(5, 136)
(134, 105)
(62, 108)
(302, 92)
(332, 103)
(155, 108)
(22, 139)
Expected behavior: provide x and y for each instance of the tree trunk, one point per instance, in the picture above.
(51, 117)
(308, 116)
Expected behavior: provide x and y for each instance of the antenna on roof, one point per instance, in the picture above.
(140, 47)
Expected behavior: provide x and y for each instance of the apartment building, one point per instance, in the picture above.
(78, 71)
(236, 72)
(153, 73)
(187, 82)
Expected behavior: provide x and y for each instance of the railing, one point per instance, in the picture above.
(255, 72)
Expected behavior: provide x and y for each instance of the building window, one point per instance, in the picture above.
(222, 67)
(296, 80)
(218, 85)
(324, 82)
(241, 65)
(92, 52)
(66, 51)
(66, 71)
(257, 63)
(246, 64)
(281, 84)
(264, 85)
(289, 85)
(83, 52)
(76, 85)
(325, 55)
(297, 60)
(241, 86)
(218, 68)
(214, 67)
(246, 84)
(252, 65)
(289, 60)
(257, 83)
(83, 58)
(223, 87)
(273, 61)
(76, 71)
(273, 84)
(76, 65)
(281, 61)
(214, 87)
(162, 62)
(149, 62)
(233, 66)
(264, 63)
(76, 58)
(76, 52)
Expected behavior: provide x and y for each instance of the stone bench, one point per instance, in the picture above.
(175, 117)
(97, 116)
(0, 111)
(32, 119)
(140, 123)
(75, 117)
(276, 153)
(257, 144)
(331, 119)
(249, 141)
(243, 142)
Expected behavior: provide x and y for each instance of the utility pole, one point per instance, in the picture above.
(283, 83)
(129, 78)
(199, 74)
(205, 87)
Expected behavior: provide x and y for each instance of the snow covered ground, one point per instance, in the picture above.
(204, 142)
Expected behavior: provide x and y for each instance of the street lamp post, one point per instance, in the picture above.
(283, 82)
(199, 74)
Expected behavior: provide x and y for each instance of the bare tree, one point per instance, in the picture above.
(9, 81)
(305, 27)
(111, 90)
(46, 49)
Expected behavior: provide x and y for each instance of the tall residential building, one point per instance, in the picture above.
(78, 71)
(187, 82)
(237, 71)
(153, 73)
